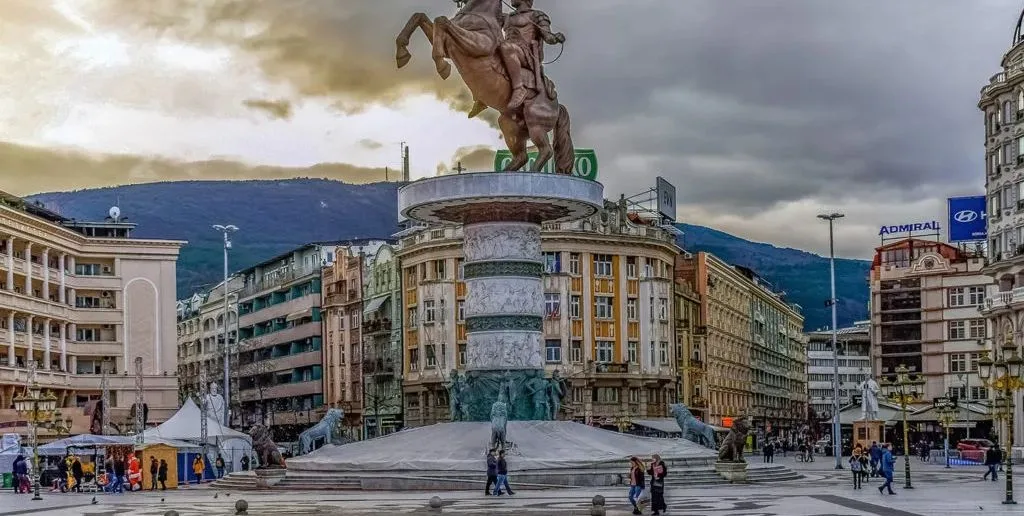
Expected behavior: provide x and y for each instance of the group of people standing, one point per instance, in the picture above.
(879, 459)
(640, 491)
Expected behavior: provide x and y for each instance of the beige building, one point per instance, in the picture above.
(690, 347)
(80, 299)
(726, 326)
(608, 327)
(926, 298)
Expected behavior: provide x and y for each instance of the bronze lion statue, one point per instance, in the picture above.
(267, 452)
(732, 446)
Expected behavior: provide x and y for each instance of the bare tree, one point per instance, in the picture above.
(251, 363)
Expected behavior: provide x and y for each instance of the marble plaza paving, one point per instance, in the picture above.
(823, 493)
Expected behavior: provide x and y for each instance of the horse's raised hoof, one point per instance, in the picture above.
(444, 69)
(403, 56)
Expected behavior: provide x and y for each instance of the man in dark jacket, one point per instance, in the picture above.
(119, 474)
(162, 475)
(502, 476)
(875, 453)
(77, 472)
(492, 470)
(154, 470)
(20, 472)
(993, 458)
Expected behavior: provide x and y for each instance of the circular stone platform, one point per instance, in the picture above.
(460, 448)
(500, 196)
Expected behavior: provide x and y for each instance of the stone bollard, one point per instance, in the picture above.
(171, 513)
(597, 507)
(241, 507)
(435, 504)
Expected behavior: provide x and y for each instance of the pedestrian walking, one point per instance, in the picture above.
(245, 463)
(162, 475)
(875, 454)
(492, 470)
(502, 476)
(658, 471)
(78, 472)
(154, 470)
(993, 458)
(636, 483)
(856, 468)
(219, 464)
(886, 465)
(197, 468)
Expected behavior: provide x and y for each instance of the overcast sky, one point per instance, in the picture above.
(762, 112)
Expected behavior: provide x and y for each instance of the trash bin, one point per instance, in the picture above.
(8, 480)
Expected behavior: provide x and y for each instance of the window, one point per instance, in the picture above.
(663, 353)
(411, 317)
(631, 349)
(576, 351)
(602, 265)
(959, 393)
(552, 305)
(604, 351)
(631, 309)
(460, 268)
(431, 356)
(87, 334)
(631, 266)
(440, 271)
(975, 296)
(414, 360)
(1007, 111)
(577, 394)
(553, 351)
(552, 262)
(574, 263)
(957, 296)
(663, 308)
(574, 307)
(958, 363)
(462, 355)
(974, 362)
(957, 330)
(441, 314)
(606, 395)
(429, 313)
(603, 307)
(460, 310)
(634, 395)
(976, 329)
(979, 393)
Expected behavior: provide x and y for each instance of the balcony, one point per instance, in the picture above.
(285, 390)
(93, 282)
(293, 306)
(1004, 300)
(288, 362)
(280, 280)
(92, 348)
(34, 305)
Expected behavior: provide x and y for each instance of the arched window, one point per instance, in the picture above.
(1007, 111)
(1020, 99)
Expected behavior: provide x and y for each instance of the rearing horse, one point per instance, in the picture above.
(470, 40)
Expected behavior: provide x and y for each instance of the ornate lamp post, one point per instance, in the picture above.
(1005, 375)
(946, 409)
(41, 411)
(901, 383)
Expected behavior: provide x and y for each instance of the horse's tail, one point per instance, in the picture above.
(565, 154)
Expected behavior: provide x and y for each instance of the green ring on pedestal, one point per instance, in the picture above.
(484, 323)
(495, 269)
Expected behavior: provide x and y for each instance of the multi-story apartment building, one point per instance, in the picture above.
(690, 348)
(190, 345)
(81, 299)
(1002, 102)
(778, 360)
(343, 357)
(925, 302)
(201, 330)
(726, 299)
(382, 343)
(608, 325)
(853, 350)
(280, 370)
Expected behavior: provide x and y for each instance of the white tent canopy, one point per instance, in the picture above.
(186, 425)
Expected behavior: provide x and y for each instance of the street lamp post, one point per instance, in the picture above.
(901, 382)
(946, 409)
(1005, 374)
(41, 411)
(226, 230)
(836, 431)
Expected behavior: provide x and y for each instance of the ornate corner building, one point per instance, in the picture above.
(608, 324)
(83, 300)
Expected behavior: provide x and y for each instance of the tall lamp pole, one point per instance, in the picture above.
(226, 230)
(1004, 374)
(836, 431)
(901, 383)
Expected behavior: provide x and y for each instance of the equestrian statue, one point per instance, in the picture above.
(500, 57)
(693, 429)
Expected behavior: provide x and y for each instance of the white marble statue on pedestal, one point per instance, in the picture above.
(215, 403)
(869, 399)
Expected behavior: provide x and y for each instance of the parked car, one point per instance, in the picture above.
(974, 449)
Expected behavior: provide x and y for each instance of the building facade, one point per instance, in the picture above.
(382, 344)
(690, 348)
(201, 321)
(608, 326)
(853, 351)
(726, 324)
(280, 369)
(1002, 105)
(778, 360)
(83, 301)
(927, 299)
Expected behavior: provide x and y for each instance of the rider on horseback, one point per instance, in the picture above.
(526, 31)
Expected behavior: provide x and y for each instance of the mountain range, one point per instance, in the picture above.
(278, 215)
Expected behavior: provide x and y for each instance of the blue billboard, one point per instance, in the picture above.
(967, 219)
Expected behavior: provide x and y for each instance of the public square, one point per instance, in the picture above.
(823, 492)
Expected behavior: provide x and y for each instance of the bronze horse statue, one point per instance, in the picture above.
(471, 41)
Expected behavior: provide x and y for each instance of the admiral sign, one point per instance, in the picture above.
(931, 227)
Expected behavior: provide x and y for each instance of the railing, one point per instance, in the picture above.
(281, 279)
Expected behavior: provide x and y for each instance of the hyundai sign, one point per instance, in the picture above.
(967, 219)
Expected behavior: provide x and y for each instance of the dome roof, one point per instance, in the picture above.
(1017, 36)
